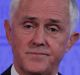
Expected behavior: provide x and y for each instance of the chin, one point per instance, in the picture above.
(36, 67)
(36, 64)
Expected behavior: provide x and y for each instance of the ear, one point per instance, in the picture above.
(7, 30)
(73, 38)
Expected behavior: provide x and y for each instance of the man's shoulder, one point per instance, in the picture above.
(7, 72)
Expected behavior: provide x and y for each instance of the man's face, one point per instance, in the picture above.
(39, 34)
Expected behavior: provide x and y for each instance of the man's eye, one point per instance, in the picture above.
(28, 25)
(53, 29)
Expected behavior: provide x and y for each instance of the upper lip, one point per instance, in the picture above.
(38, 53)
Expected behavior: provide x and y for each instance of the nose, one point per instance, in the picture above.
(38, 38)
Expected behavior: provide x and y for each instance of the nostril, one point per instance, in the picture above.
(38, 44)
(41, 44)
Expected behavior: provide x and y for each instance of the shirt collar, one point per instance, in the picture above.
(14, 72)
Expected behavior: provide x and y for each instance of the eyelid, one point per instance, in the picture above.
(34, 24)
(51, 25)
(26, 22)
(60, 27)
(55, 26)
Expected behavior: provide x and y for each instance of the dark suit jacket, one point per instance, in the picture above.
(8, 72)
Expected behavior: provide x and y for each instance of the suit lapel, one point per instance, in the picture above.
(7, 72)
(59, 73)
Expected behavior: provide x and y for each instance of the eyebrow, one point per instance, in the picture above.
(54, 20)
(35, 18)
(30, 18)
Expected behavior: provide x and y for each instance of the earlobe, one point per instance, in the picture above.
(72, 40)
(7, 30)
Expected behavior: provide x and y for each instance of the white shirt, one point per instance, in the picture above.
(14, 72)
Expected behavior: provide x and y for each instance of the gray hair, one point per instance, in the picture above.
(74, 13)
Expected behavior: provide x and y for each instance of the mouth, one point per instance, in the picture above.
(38, 53)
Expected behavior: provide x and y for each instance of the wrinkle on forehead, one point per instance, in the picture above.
(42, 4)
(45, 6)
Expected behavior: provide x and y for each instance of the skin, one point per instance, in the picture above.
(40, 36)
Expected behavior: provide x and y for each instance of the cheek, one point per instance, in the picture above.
(20, 40)
(57, 47)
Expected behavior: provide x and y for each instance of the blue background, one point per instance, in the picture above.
(70, 64)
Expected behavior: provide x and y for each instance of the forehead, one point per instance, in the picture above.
(49, 4)
(44, 8)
